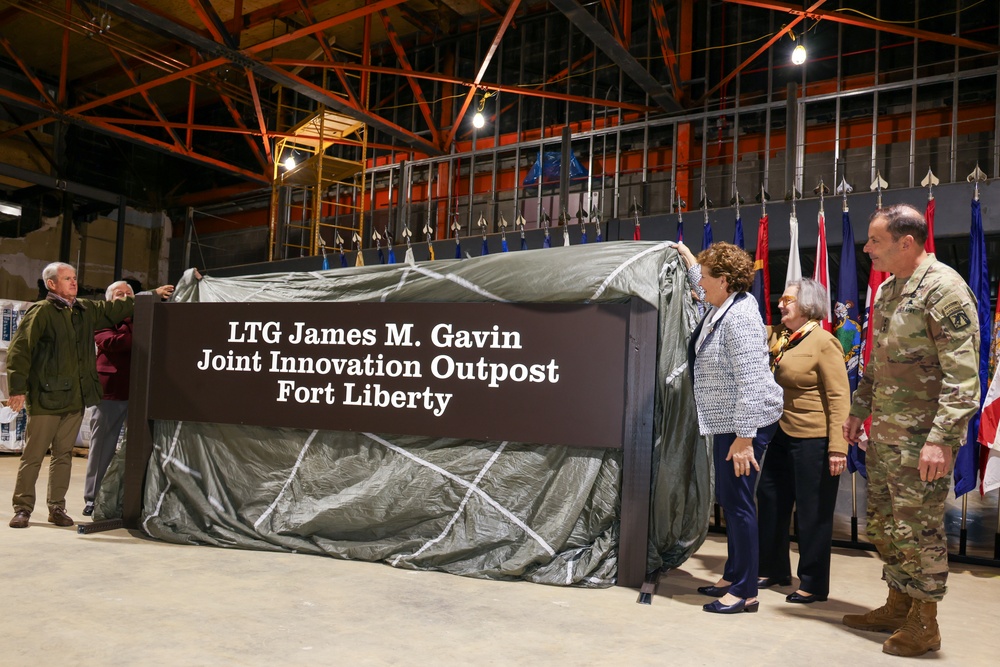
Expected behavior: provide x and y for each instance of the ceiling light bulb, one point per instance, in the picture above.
(290, 163)
(798, 54)
(478, 120)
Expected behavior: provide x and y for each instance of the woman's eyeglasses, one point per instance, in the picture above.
(785, 300)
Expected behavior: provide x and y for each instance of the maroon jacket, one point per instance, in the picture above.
(114, 358)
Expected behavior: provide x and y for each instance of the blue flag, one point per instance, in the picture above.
(503, 244)
(738, 236)
(967, 460)
(847, 327)
(392, 255)
(485, 250)
(706, 235)
(343, 257)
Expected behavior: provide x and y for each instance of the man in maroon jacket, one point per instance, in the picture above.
(114, 358)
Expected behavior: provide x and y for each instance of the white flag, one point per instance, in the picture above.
(794, 265)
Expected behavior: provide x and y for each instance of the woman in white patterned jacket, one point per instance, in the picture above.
(738, 404)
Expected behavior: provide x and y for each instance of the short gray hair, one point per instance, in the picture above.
(51, 272)
(813, 299)
(111, 288)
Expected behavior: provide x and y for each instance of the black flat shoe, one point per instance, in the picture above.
(798, 598)
(767, 582)
(88, 509)
(713, 591)
(737, 607)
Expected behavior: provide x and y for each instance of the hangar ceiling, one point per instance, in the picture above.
(162, 100)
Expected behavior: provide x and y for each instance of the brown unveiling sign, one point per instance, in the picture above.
(550, 373)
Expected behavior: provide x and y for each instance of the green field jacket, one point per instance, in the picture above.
(52, 357)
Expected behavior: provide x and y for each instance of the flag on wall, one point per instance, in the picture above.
(738, 236)
(995, 352)
(821, 273)
(875, 278)
(929, 216)
(794, 264)
(967, 460)
(706, 235)
(848, 328)
(989, 436)
(762, 273)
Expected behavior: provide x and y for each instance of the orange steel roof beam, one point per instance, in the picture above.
(862, 22)
(625, 14)
(27, 71)
(508, 17)
(516, 90)
(418, 94)
(669, 59)
(328, 52)
(764, 47)
(611, 9)
(138, 138)
(260, 116)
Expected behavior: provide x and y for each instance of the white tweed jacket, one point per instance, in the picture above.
(734, 388)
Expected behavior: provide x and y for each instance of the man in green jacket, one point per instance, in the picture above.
(51, 362)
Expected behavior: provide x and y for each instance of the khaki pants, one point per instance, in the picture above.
(44, 431)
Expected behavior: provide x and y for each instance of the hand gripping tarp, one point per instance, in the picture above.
(499, 510)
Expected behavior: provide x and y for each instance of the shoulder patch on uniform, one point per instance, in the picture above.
(956, 314)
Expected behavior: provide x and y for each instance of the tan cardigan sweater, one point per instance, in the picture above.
(817, 394)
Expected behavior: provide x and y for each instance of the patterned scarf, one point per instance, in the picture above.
(788, 339)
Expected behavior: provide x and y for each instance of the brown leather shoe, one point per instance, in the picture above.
(20, 519)
(58, 516)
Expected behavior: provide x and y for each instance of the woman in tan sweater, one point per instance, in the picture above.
(808, 453)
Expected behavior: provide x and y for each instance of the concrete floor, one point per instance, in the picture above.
(118, 598)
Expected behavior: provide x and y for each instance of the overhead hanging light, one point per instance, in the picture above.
(799, 52)
(479, 120)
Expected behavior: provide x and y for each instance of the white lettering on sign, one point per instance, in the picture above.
(230, 362)
(373, 395)
(331, 336)
(288, 389)
(368, 366)
(246, 332)
(399, 336)
(443, 336)
(444, 367)
(295, 371)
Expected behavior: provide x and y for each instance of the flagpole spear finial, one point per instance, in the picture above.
(930, 180)
(735, 201)
(877, 186)
(843, 189)
(822, 191)
(976, 177)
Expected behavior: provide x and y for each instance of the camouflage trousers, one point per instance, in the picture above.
(906, 521)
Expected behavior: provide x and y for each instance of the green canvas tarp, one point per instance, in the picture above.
(498, 510)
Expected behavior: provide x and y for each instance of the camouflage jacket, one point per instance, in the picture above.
(921, 383)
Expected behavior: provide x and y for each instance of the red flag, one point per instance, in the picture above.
(875, 278)
(821, 273)
(762, 273)
(929, 215)
(989, 438)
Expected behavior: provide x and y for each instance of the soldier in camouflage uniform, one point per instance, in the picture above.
(920, 387)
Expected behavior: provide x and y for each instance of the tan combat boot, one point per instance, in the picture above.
(888, 618)
(919, 634)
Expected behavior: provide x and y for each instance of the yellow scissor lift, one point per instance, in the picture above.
(319, 187)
